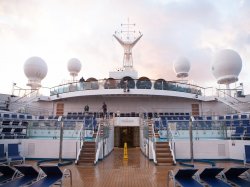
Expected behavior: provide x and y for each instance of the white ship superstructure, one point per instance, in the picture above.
(141, 111)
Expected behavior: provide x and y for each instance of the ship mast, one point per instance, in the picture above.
(127, 38)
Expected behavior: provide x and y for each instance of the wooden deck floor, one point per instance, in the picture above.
(137, 171)
(113, 171)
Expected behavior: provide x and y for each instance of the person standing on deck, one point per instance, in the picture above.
(104, 108)
(7, 103)
(86, 109)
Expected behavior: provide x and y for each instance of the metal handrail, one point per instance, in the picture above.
(81, 138)
(153, 145)
(97, 143)
(172, 148)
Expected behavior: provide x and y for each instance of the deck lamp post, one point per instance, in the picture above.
(191, 138)
(60, 119)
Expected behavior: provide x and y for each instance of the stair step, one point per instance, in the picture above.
(164, 155)
(164, 160)
(88, 148)
(161, 142)
(162, 146)
(163, 150)
(85, 162)
(89, 143)
(165, 164)
(87, 153)
(86, 159)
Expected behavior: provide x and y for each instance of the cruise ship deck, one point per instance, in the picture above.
(137, 171)
(126, 130)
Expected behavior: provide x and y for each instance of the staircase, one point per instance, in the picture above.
(239, 104)
(87, 155)
(88, 152)
(163, 153)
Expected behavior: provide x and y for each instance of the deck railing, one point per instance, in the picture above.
(132, 84)
(98, 143)
(171, 143)
(81, 141)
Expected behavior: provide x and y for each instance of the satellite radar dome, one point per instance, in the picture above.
(181, 67)
(74, 66)
(35, 70)
(226, 66)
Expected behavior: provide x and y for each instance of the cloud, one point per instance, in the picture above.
(61, 29)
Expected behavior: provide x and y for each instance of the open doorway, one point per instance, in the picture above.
(127, 134)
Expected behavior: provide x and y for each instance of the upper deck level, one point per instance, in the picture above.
(127, 85)
(142, 86)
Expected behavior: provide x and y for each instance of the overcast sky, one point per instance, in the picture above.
(58, 30)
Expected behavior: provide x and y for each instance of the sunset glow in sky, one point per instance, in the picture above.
(58, 30)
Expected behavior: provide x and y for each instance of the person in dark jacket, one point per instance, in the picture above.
(104, 108)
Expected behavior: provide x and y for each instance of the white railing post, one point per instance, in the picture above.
(81, 138)
(97, 142)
